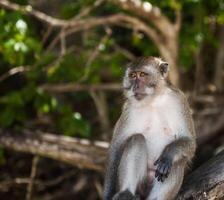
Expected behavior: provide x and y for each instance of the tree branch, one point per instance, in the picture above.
(32, 178)
(94, 54)
(128, 54)
(178, 20)
(74, 87)
(14, 71)
(88, 9)
(116, 19)
(148, 11)
(35, 13)
(77, 152)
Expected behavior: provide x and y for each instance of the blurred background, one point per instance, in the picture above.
(61, 67)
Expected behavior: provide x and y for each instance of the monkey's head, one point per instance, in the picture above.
(145, 77)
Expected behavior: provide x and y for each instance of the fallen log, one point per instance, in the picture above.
(80, 153)
(206, 182)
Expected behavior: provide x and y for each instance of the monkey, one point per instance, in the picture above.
(154, 139)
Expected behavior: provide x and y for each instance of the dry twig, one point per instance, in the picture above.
(32, 177)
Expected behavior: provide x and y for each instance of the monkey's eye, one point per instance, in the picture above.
(142, 74)
(132, 75)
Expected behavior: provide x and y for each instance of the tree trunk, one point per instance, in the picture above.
(219, 66)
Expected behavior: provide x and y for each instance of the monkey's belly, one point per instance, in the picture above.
(156, 142)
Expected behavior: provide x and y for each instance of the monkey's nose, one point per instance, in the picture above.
(136, 85)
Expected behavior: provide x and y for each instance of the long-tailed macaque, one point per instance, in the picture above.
(154, 138)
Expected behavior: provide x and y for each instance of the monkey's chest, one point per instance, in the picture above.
(152, 123)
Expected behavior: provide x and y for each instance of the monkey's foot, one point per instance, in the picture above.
(164, 164)
(125, 195)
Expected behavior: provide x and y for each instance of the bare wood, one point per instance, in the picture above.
(206, 182)
(178, 21)
(77, 152)
(13, 71)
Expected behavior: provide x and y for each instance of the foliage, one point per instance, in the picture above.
(22, 44)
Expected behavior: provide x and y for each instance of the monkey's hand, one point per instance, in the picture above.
(164, 164)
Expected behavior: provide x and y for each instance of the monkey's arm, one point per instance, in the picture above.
(180, 150)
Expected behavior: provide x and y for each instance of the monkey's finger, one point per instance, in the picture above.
(158, 170)
(156, 163)
(166, 171)
(166, 174)
(163, 168)
(159, 177)
(157, 174)
(162, 178)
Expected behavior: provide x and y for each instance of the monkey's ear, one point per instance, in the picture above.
(164, 68)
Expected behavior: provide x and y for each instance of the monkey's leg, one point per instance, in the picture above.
(133, 164)
(168, 189)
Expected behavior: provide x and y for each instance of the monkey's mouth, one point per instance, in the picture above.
(139, 96)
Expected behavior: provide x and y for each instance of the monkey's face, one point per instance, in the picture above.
(144, 77)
